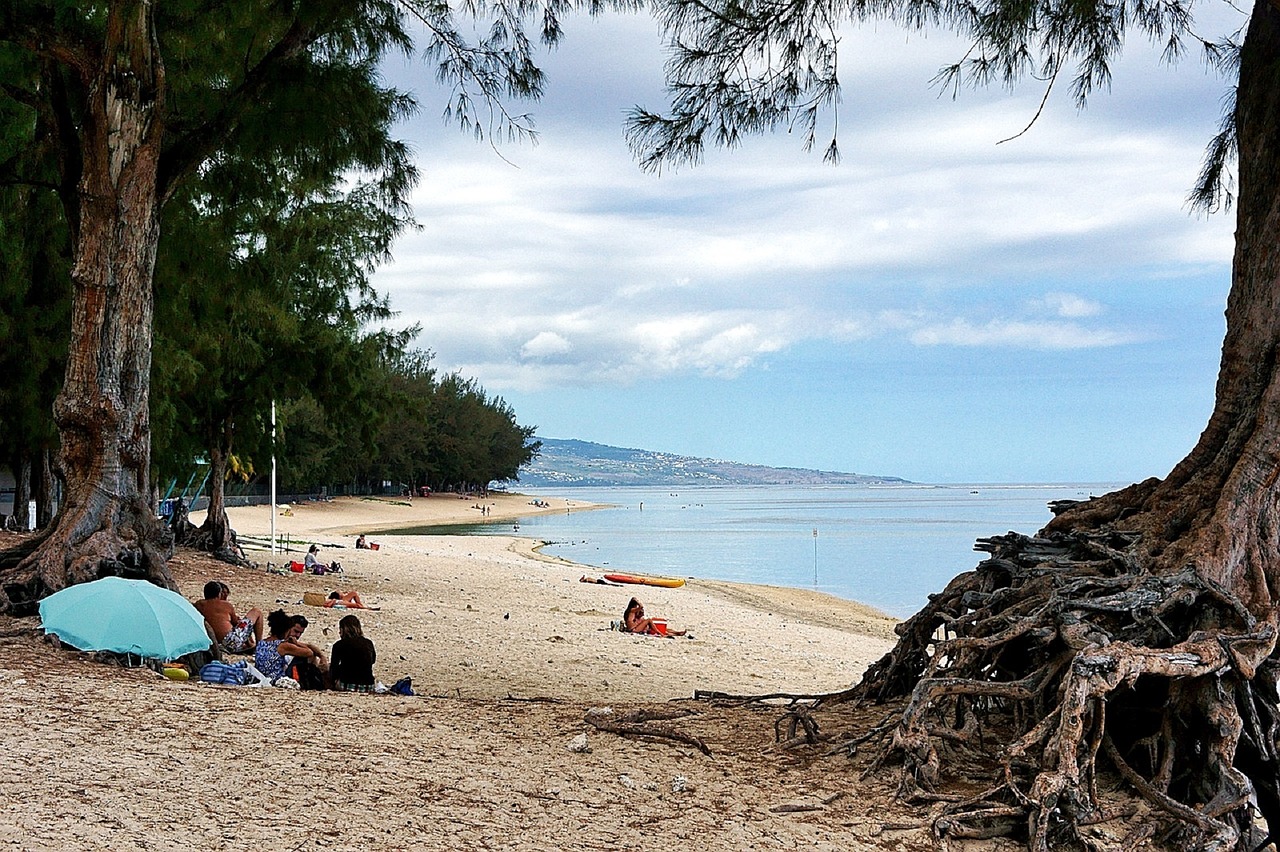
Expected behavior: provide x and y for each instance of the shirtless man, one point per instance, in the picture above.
(235, 634)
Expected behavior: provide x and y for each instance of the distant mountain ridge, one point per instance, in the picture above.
(583, 463)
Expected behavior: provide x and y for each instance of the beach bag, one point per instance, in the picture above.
(306, 674)
(231, 674)
(314, 598)
(404, 686)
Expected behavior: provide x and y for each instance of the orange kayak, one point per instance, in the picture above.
(665, 582)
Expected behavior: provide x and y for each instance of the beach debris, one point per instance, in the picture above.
(579, 745)
(627, 781)
(643, 723)
(794, 808)
(681, 784)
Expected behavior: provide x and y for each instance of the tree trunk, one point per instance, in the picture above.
(42, 489)
(1137, 633)
(217, 525)
(22, 492)
(102, 413)
(1219, 508)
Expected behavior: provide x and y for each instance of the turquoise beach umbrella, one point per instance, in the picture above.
(125, 616)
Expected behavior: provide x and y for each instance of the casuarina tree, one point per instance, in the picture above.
(140, 95)
(1136, 634)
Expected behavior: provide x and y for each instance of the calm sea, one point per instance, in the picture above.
(888, 546)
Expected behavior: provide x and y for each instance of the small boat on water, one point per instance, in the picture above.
(640, 579)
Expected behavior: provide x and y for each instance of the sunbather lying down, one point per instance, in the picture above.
(349, 600)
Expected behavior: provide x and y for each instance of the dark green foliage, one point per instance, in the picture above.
(34, 280)
(283, 190)
(440, 432)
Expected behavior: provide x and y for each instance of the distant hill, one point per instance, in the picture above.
(582, 463)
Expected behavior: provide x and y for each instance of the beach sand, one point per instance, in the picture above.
(508, 652)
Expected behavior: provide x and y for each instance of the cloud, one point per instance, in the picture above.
(1067, 305)
(564, 265)
(545, 344)
(1021, 334)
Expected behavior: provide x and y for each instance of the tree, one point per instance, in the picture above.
(1136, 632)
(263, 274)
(141, 95)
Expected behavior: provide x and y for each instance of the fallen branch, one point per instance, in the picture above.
(639, 723)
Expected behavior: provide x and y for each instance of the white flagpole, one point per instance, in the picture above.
(273, 476)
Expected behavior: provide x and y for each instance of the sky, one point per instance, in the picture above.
(941, 306)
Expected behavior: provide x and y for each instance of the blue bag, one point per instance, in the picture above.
(404, 686)
(233, 674)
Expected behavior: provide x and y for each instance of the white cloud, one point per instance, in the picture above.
(1067, 305)
(1020, 334)
(545, 344)
(569, 266)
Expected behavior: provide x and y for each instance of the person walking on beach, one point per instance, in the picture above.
(353, 657)
(235, 634)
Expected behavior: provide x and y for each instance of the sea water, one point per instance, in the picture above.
(887, 546)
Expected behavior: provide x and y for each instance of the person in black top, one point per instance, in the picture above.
(351, 661)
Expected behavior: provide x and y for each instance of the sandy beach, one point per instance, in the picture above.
(508, 652)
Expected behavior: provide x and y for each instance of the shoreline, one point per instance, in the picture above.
(456, 608)
(335, 518)
(351, 516)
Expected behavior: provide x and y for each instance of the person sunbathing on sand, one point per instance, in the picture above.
(350, 600)
(633, 621)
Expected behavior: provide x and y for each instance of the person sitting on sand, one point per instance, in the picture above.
(267, 657)
(235, 634)
(353, 658)
(283, 644)
(633, 621)
(311, 561)
(308, 663)
(350, 600)
(360, 543)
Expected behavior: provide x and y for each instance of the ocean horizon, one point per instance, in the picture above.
(888, 546)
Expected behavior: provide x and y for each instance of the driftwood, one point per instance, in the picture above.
(641, 723)
(1061, 658)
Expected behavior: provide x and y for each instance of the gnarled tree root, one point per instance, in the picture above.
(1061, 659)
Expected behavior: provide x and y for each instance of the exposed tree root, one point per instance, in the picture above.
(218, 540)
(1061, 658)
(640, 723)
(106, 535)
